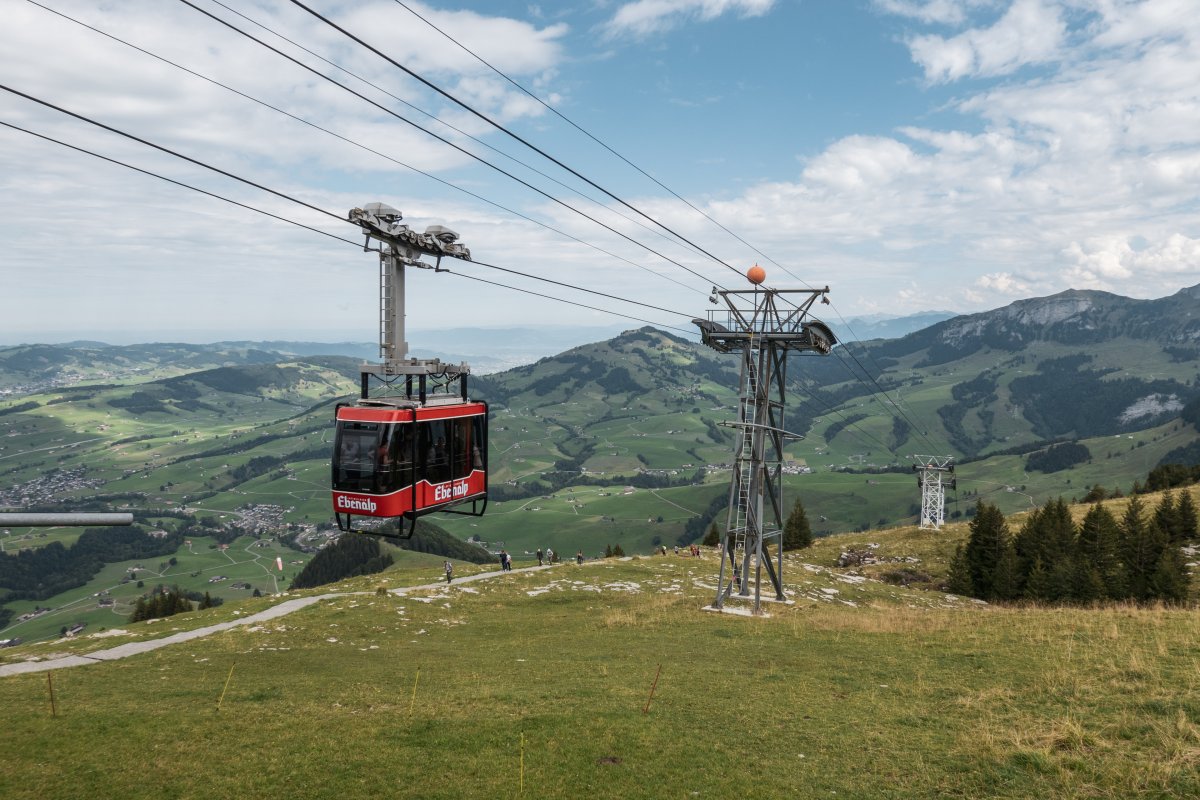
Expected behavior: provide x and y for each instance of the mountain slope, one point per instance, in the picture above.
(573, 681)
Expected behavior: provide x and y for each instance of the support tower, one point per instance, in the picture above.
(764, 325)
(399, 247)
(930, 471)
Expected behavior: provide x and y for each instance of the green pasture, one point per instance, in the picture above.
(13, 540)
(245, 560)
(600, 681)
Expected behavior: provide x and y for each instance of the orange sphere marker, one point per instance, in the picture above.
(756, 274)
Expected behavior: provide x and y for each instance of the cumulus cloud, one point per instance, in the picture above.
(643, 18)
(1004, 283)
(1029, 32)
(1105, 262)
(1084, 175)
(946, 12)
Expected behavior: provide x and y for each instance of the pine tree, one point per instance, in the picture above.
(1087, 587)
(797, 533)
(1038, 584)
(608, 551)
(1167, 517)
(986, 543)
(1142, 544)
(1186, 511)
(959, 581)
(1169, 583)
(1006, 583)
(1098, 555)
(1048, 538)
(206, 602)
(618, 551)
(713, 537)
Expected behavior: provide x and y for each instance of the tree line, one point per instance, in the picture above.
(163, 602)
(1050, 559)
(39, 573)
(350, 555)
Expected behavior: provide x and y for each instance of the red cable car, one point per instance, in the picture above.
(397, 459)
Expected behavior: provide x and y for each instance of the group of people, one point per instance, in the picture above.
(693, 550)
(549, 556)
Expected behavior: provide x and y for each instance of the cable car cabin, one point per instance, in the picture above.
(398, 460)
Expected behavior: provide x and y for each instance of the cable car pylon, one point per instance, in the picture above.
(764, 325)
(418, 444)
(930, 470)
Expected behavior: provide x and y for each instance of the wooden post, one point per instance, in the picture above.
(50, 683)
(227, 680)
(413, 702)
(652, 688)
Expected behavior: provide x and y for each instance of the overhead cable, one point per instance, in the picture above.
(329, 213)
(364, 147)
(467, 107)
(444, 140)
(178, 183)
(443, 122)
(568, 302)
(582, 130)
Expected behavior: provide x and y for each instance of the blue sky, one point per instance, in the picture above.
(909, 154)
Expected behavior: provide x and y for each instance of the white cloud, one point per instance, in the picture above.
(1106, 262)
(643, 18)
(945, 12)
(1004, 283)
(1084, 176)
(1029, 32)
(861, 163)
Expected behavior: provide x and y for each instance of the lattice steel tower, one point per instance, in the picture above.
(764, 325)
(930, 470)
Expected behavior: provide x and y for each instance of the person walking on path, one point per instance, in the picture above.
(579, 557)
(449, 571)
(503, 559)
(539, 556)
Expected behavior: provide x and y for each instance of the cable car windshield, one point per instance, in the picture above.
(371, 457)
(380, 458)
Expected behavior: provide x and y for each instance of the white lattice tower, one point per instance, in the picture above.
(931, 477)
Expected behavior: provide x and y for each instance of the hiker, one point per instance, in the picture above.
(579, 557)
(539, 556)
(503, 559)
(449, 571)
(508, 562)
(549, 555)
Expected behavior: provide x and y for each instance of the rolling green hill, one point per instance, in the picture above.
(619, 442)
(608, 680)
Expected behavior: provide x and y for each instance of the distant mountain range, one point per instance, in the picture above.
(880, 326)
(982, 387)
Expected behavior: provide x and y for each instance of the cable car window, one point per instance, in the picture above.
(396, 461)
(356, 453)
(435, 444)
(462, 447)
(479, 442)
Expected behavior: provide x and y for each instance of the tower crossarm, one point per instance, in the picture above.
(381, 222)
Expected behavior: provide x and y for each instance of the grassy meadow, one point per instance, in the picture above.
(538, 684)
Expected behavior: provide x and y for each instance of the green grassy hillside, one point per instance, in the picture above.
(539, 684)
(243, 447)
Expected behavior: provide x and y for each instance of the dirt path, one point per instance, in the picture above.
(283, 609)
